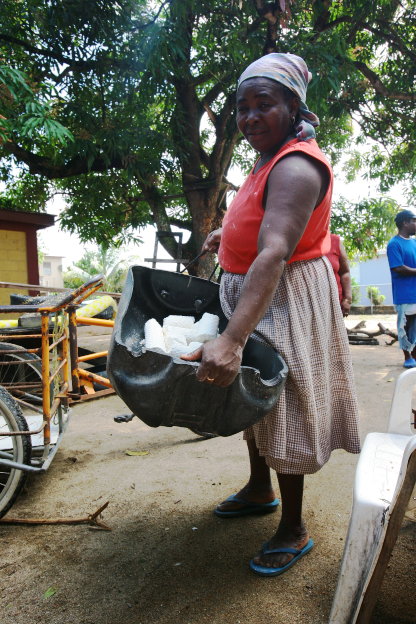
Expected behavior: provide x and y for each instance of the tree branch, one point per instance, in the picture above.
(378, 85)
(359, 331)
(211, 115)
(154, 19)
(78, 65)
(47, 167)
(131, 200)
(185, 225)
(230, 185)
(387, 34)
(220, 156)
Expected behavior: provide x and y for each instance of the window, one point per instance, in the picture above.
(47, 268)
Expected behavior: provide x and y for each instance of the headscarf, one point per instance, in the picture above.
(292, 72)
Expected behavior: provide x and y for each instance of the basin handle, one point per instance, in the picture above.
(197, 258)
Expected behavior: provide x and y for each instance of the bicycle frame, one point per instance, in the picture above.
(66, 374)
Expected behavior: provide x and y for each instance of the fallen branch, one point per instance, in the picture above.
(359, 333)
(358, 326)
(91, 519)
(389, 332)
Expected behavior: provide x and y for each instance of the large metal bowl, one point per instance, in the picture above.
(163, 390)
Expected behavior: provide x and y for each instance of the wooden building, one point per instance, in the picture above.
(19, 248)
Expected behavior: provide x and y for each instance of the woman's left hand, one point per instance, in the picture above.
(220, 361)
(345, 307)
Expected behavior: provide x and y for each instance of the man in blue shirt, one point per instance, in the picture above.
(401, 253)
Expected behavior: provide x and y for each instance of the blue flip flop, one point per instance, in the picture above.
(410, 363)
(298, 553)
(247, 508)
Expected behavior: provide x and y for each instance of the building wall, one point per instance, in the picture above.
(18, 250)
(50, 272)
(375, 272)
(13, 262)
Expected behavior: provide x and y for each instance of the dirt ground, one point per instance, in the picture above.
(168, 559)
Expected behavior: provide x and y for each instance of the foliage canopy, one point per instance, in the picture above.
(365, 226)
(127, 107)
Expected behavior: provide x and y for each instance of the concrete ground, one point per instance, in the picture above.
(168, 559)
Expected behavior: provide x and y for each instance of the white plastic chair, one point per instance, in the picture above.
(384, 481)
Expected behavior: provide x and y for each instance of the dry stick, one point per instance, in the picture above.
(91, 519)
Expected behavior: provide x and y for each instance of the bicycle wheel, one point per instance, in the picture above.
(17, 447)
(21, 373)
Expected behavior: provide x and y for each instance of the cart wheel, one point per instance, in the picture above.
(21, 373)
(17, 448)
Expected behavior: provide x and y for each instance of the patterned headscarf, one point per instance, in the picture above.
(292, 72)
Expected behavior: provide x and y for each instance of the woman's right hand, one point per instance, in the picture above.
(212, 241)
(220, 360)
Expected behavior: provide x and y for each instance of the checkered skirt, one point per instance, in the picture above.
(317, 411)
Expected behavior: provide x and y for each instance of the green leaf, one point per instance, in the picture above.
(51, 591)
(137, 453)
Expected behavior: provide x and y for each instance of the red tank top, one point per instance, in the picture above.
(242, 221)
(333, 256)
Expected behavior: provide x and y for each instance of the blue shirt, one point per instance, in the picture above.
(402, 251)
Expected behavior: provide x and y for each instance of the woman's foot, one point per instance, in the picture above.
(248, 494)
(285, 537)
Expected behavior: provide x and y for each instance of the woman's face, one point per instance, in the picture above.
(264, 114)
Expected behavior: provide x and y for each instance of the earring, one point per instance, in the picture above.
(293, 118)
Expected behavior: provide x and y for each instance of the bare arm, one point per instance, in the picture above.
(345, 278)
(295, 186)
(293, 189)
(404, 270)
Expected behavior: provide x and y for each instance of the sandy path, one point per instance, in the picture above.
(168, 559)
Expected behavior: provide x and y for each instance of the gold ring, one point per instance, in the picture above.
(210, 378)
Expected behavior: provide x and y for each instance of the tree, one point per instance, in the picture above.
(365, 226)
(106, 261)
(147, 91)
(375, 296)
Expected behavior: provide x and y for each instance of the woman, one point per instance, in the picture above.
(276, 280)
(339, 262)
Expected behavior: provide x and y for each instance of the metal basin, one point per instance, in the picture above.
(163, 390)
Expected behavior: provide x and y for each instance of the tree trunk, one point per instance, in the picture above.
(207, 208)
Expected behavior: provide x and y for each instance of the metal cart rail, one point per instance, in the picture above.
(38, 384)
